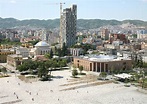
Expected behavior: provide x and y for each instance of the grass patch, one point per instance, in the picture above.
(28, 78)
(127, 85)
(31, 77)
(3, 76)
(116, 82)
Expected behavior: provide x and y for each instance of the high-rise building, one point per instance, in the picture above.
(68, 26)
(105, 34)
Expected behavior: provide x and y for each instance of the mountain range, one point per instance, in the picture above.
(54, 23)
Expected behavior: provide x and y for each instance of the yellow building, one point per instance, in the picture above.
(27, 45)
(5, 46)
(4, 53)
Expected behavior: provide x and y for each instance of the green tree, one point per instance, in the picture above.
(81, 69)
(28, 65)
(140, 62)
(64, 50)
(42, 71)
(74, 73)
(47, 55)
(51, 53)
(22, 67)
(4, 70)
(55, 51)
(103, 74)
(111, 70)
(33, 42)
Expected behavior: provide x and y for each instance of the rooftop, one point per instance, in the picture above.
(42, 43)
(103, 58)
(15, 56)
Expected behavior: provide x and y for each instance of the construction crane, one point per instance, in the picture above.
(61, 8)
(58, 4)
(60, 15)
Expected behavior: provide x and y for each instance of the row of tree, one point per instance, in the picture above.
(58, 51)
(42, 68)
(85, 47)
(75, 71)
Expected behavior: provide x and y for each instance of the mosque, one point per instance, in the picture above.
(41, 48)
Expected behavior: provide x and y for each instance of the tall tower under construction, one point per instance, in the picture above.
(68, 22)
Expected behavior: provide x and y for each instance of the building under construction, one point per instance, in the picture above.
(68, 21)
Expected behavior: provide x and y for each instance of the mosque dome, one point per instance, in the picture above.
(42, 43)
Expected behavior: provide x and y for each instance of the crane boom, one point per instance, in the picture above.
(61, 8)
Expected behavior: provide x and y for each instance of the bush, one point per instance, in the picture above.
(127, 85)
(46, 78)
(74, 73)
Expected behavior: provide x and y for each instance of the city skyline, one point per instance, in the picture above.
(87, 9)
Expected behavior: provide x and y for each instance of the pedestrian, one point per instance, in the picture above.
(16, 96)
(32, 99)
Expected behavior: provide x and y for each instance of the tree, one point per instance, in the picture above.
(74, 73)
(103, 74)
(4, 70)
(33, 42)
(22, 67)
(55, 51)
(124, 66)
(112, 69)
(51, 53)
(64, 50)
(81, 69)
(47, 55)
(42, 71)
(140, 63)
(27, 65)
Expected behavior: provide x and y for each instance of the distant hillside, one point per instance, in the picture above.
(81, 23)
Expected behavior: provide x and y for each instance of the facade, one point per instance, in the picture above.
(41, 48)
(105, 34)
(4, 53)
(14, 60)
(103, 63)
(118, 37)
(47, 36)
(23, 51)
(141, 34)
(76, 51)
(68, 26)
(5, 46)
(143, 45)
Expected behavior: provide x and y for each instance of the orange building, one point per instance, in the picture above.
(103, 63)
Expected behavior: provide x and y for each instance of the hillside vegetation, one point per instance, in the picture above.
(54, 23)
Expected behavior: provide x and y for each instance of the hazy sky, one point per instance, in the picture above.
(87, 9)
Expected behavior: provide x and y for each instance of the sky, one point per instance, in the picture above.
(86, 9)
